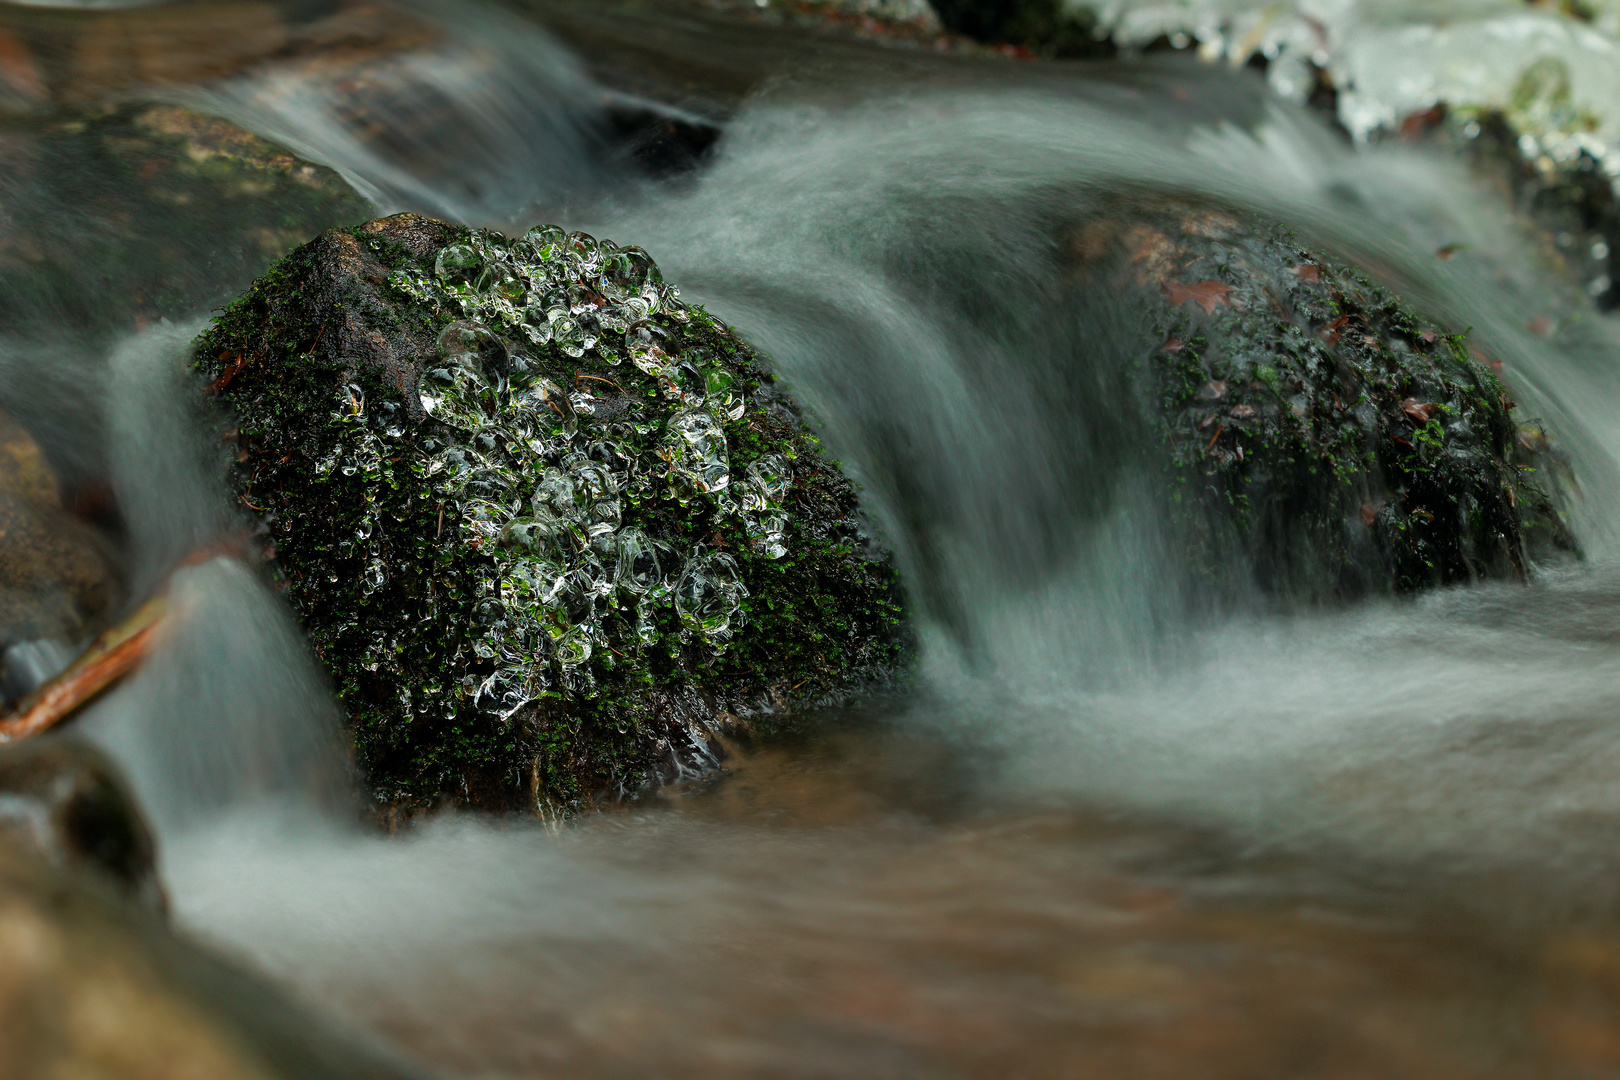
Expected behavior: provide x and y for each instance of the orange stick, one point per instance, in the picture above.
(108, 659)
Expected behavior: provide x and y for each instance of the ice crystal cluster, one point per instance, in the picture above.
(539, 470)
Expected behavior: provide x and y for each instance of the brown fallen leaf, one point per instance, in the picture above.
(1308, 272)
(1418, 410)
(1369, 513)
(1242, 412)
(1173, 346)
(1213, 390)
(241, 361)
(1330, 332)
(1206, 294)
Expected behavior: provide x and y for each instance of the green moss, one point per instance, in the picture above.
(474, 596)
(1302, 371)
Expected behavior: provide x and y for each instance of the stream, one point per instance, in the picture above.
(1101, 835)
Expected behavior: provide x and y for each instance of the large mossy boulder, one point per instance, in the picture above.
(547, 526)
(1321, 441)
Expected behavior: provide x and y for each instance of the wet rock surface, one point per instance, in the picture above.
(94, 985)
(113, 216)
(548, 527)
(58, 576)
(93, 982)
(1323, 440)
(63, 800)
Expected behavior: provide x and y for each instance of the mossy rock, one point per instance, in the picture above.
(1321, 440)
(128, 213)
(547, 526)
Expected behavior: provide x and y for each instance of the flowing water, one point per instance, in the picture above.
(1103, 835)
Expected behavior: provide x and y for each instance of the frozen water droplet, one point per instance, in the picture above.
(573, 648)
(646, 628)
(541, 534)
(506, 284)
(636, 568)
(647, 356)
(584, 253)
(537, 321)
(569, 336)
(374, 577)
(596, 498)
(766, 532)
(723, 395)
(469, 344)
(683, 382)
(326, 463)
(625, 272)
(773, 475)
(709, 594)
(555, 488)
(505, 692)
(458, 264)
(543, 244)
(695, 447)
(463, 392)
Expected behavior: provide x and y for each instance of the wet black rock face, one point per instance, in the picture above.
(1045, 27)
(62, 800)
(548, 527)
(1323, 441)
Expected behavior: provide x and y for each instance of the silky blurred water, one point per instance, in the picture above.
(1104, 835)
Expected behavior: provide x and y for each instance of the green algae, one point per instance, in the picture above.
(548, 527)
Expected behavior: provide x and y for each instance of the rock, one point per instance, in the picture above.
(94, 985)
(1054, 28)
(119, 215)
(63, 800)
(1323, 441)
(58, 576)
(547, 526)
(92, 980)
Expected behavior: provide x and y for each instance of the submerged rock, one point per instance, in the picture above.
(92, 980)
(64, 801)
(94, 985)
(1323, 441)
(120, 215)
(547, 526)
(58, 576)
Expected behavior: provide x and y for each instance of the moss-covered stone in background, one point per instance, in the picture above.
(118, 215)
(547, 526)
(1323, 441)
